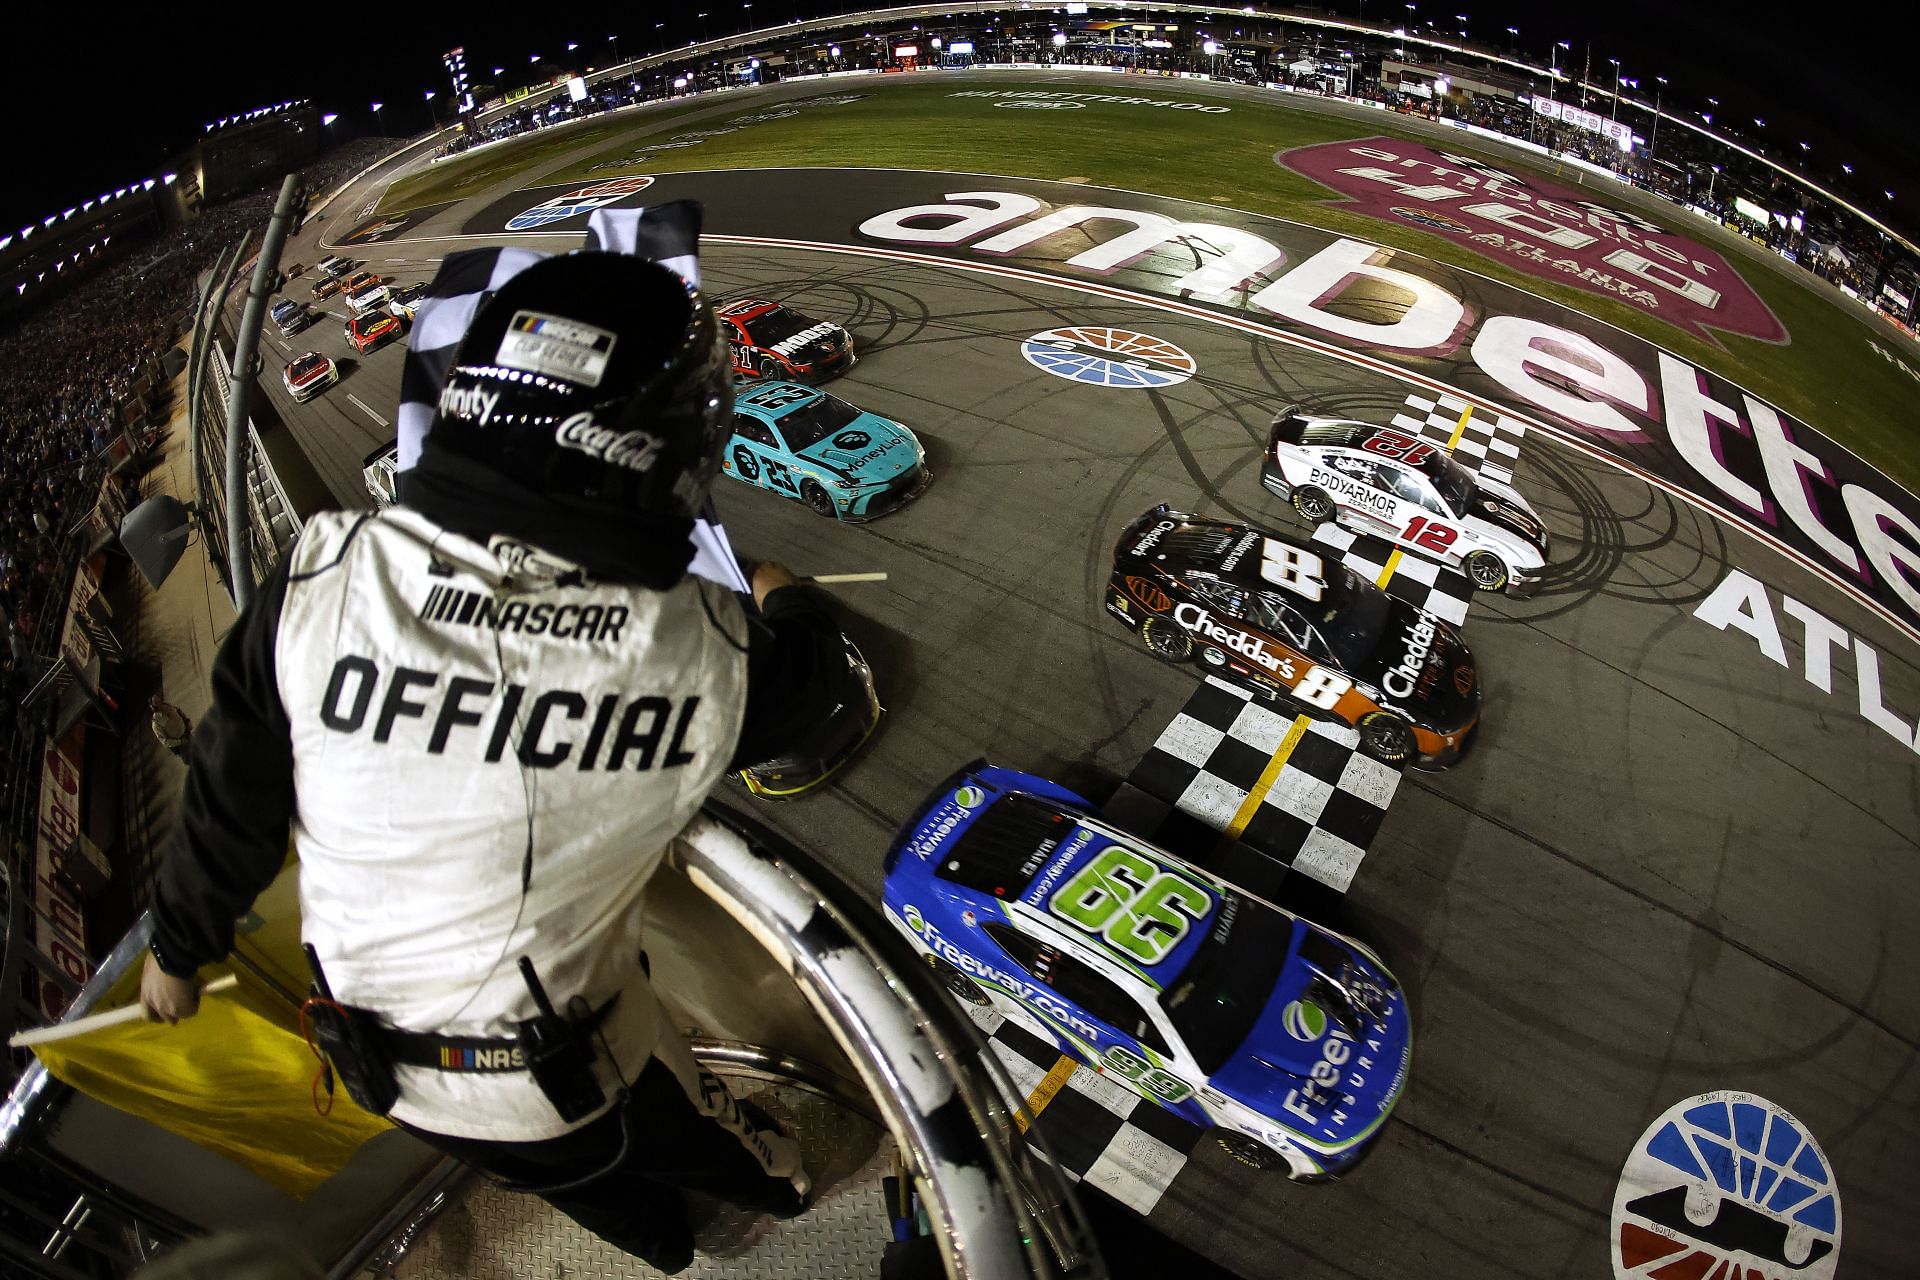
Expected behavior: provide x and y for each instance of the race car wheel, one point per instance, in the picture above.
(816, 497)
(1386, 737)
(768, 367)
(1255, 1155)
(963, 987)
(1165, 640)
(1486, 571)
(1314, 506)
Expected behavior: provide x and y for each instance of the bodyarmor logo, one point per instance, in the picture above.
(634, 450)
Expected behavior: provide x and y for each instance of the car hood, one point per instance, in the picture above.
(1421, 668)
(1500, 505)
(1316, 1064)
(869, 450)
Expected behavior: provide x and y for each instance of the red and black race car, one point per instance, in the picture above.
(1296, 628)
(771, 340)
(369, 331)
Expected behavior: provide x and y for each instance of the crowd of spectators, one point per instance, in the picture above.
(66, 367)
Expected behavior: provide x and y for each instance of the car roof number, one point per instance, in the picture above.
(1292, 569)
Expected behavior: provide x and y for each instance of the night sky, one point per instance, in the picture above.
(127, 96)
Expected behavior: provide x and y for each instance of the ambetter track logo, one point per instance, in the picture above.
(1728, 1186)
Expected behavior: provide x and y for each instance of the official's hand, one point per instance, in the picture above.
(167, 998)
(768, 578)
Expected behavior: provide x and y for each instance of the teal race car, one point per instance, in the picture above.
(815, 448)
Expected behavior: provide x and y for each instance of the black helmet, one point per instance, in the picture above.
(594, 376)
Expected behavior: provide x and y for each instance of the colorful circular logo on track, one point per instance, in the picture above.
(1428, 218)
(1304, 1021)
(1109, 357)
(1726, 1186)
(585, 199)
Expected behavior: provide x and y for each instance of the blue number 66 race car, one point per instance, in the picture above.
(1290, 1041)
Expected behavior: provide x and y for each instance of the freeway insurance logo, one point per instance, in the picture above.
(1108, 357)
(1726, 1186)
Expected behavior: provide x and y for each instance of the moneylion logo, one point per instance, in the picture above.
(1304, 1021)
(1042, 106)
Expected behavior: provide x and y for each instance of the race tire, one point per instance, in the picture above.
(1255, 1155)
(767, 367)
(1165, 640)
(1314, 505)
(1486, 571)
(959, 984)
(1386, 737)
(816, 497)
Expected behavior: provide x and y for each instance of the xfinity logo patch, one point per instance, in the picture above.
(634, 450)
(475, 404)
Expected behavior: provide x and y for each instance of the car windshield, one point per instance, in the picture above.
(1454, 481)
(775, 327)
(1220, 994)
(1350, 615)
(811, 423)
(308, 364)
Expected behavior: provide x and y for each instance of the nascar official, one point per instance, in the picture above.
(483, 715)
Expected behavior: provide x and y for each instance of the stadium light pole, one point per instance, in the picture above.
(1615, 113)
(1659, 87)
(433, 113)
(377, 119)
(1513, 45)
(1553, 73)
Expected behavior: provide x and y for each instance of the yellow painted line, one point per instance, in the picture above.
(1393, 562)
(1251, 805)
(1459, 429)
(1043, 1093)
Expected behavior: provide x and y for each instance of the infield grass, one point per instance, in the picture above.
(1827, 375)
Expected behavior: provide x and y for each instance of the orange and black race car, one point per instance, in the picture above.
(770, 340)
(1297, 628)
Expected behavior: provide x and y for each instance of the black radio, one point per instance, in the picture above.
(559, 1054)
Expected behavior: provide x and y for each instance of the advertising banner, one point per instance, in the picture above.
(59, 922)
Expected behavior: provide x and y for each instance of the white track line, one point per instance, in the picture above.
(369, 412)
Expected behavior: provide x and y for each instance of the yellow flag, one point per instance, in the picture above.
(236, 1078)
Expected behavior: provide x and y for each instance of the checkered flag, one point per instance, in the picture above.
(668, 234)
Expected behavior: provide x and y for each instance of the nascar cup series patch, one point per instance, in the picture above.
(1726, 1186)
(556, 346)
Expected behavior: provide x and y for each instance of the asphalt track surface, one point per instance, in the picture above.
(1668, 866)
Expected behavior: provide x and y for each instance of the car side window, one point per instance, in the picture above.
(1282, 619)
(1078, 983)
(753, 429)
(1412, 488)
(1361, 469)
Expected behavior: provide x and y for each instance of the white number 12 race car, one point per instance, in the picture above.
(1382, 481)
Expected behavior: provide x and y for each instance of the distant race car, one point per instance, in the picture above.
(807, 445)
(770, 340)
(325, 287)
(333, 267)
(369, 300)
(369, 331)
(404, 299)
(1290, 1041)
(359, 280)
(378, 470)
(290, 317)
(1279, 619)
(306, 376)
(1382, 481)
(847, 710)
